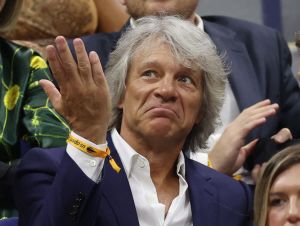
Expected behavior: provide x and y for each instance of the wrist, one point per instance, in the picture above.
(90, 149)
(95, 135)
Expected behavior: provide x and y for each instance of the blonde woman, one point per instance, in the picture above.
(277, 194)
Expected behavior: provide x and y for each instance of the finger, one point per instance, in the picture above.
(282, 136)
(55, 65)
(262, 111)
(84, 66)
(67, 60)
(267, 110)
(242, 128)
(52, 93)
(261, 103)
(248, 148)
(97, 70)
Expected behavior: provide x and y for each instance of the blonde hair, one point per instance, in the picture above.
(9, 14)
(275, 166)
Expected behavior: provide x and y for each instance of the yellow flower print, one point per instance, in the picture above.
(11, 97)
(35, 121)
(37, 62)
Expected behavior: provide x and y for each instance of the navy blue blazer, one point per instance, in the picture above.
(51, 190)
(260, 64)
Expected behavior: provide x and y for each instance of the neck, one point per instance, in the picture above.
(162, 154)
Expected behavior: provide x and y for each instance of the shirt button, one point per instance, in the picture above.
(141, 163)
(92, 163)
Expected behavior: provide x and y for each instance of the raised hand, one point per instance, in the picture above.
(230, 151)
(280, 137)
(83, 97)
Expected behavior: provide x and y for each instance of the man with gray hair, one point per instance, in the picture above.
(260, 78)
(125, 160)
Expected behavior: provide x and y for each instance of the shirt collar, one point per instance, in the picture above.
(199, 22)
(129, 156)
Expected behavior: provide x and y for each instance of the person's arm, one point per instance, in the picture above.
(230, 151)
(51, 190)
(52, 184)
(111, 15)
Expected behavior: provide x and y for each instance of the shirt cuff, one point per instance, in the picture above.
(91, 166)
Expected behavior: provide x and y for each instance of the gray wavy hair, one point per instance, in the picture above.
(192, 48)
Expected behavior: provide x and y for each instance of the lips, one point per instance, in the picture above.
(162, 111)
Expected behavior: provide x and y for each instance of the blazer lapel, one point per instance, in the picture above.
(115, 187)
(242, 78)
(203, 196)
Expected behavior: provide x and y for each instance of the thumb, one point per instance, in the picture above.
(248, 148)
(52, 93)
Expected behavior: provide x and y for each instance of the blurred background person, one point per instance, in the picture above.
(40, 21)
(277, 194)
(27, 119)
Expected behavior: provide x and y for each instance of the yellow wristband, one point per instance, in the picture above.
(84, 147)
(209, 164)
(237, 177)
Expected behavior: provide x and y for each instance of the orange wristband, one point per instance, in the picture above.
(84, 147)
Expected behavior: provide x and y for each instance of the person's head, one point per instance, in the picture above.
(277, 193)
(169, 66)
(138, 8)
(9, 10)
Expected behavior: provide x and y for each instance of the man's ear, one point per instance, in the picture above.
(120, 104)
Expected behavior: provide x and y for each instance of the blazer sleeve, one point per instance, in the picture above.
(51, 190)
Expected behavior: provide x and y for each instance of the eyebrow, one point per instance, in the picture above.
(151, 63)
(276, 193)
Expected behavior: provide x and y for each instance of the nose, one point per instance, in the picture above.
(294, 212)
(166, 90)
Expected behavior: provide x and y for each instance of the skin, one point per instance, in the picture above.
(236, 152)
(284, 199)
(225, 156)
(161, 100)
(138, 8)
(89, 73)
(2, 3)
(111, 15)
(88, 120)
(160, 105)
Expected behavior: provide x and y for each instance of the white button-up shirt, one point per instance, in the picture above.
(150, 212)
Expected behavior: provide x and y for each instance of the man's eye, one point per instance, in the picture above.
(150, 74)
(185, 79)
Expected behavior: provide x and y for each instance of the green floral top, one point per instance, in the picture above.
(25, 110)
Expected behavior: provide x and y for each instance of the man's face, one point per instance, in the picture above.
(162, 98)
(140, 8)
